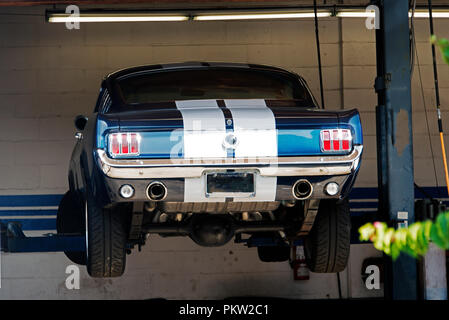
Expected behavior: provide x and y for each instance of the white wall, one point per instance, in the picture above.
(50, 74)
(176, 268)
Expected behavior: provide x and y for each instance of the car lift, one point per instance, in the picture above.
(12, 239)
(394, 138)
(395, 145)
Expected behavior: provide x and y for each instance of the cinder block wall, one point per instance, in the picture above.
(50, 74)
(359, 71)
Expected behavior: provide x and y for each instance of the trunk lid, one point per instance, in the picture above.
(232, 128)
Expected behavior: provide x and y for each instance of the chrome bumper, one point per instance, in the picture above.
(331, 165)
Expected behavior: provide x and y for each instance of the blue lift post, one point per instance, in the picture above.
(394, 138)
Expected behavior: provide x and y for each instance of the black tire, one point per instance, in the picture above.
(106, 236)
(273, 253)
(70, 220)
(328, 244)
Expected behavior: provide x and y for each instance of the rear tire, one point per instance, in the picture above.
(69, 220)
(328, 244)
(106, 238)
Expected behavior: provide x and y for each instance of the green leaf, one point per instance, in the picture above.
(366, 232)
(436, 236)
(442, 225)
(400, 241)
(412, 236)
(413, 240)
(381, 229)
(424, 237)
(395, 250)
(387, 241)
(443, 45)
(401, 237)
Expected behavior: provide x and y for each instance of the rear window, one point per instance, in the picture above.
(211, 84)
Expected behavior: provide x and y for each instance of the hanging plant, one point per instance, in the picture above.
(413, 240)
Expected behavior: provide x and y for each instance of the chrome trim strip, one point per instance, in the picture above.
(213, 162)
(267, 166)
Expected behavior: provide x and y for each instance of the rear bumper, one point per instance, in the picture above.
(195, 168)
(318, 170)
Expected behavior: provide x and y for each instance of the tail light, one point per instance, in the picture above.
(124, 144)
(336, 140)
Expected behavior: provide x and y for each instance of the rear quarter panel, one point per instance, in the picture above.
(352, 118)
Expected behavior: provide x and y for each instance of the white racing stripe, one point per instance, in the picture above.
(204, 132)
(255, 129)
(204, 128)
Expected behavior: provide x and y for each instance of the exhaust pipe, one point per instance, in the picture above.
(302, 189)
(156, 191)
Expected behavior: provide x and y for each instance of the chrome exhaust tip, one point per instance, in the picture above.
(302, 189)
(156, 191)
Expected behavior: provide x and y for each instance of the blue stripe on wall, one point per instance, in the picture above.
(34, 200)
(363, 193)
(372, 193)
(361, 214)
(434, 192)
(36, 212)
(34, 224)
(363, 205)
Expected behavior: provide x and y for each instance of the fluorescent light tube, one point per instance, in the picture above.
(356, 14)
(371, 14)
(435, 14)
(141, 17)
(253, 16)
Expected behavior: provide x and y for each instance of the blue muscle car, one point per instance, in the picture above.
(211, 151)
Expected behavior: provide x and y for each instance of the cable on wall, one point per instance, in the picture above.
(318, 49)
(427, 119)
(437, 97)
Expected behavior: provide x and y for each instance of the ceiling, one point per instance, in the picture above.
(183, 3)
(194, 3)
